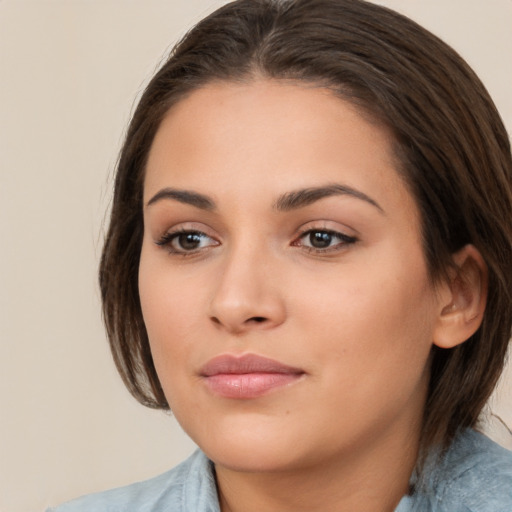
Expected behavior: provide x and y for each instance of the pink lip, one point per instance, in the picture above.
(248, 376)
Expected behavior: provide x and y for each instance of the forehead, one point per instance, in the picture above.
(272, 135)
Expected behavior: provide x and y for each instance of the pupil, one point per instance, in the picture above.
(189, 240)
(320, 239)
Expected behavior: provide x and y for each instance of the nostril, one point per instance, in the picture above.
(257, 319)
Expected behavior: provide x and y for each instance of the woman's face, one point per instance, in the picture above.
(277, 228)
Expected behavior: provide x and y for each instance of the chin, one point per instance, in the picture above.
(258, 458)
(247, 444)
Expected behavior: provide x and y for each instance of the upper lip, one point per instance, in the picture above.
(247, 363)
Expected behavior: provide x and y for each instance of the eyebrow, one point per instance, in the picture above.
(184, 196)
(289, 201)
(304, 197)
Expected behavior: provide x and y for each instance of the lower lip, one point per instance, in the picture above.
(248, 385)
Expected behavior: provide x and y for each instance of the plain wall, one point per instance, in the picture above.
(70, 71)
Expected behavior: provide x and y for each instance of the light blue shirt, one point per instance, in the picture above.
(474, 476)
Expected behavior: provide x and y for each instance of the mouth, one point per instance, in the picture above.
(247, 376)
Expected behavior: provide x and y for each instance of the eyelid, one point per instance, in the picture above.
(165, 240)
(171, 235)
(328, 225)
(183, 227)
(339, 234)
(345, 239)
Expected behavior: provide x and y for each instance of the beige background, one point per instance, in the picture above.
(69, 73)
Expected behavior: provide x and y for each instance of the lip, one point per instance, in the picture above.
(247, 376)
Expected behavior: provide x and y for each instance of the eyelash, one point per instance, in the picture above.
(345, 240)
(168, 238)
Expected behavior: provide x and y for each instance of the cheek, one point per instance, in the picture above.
(380, 318)
(373, 348)
(169, 319)
(169, 309)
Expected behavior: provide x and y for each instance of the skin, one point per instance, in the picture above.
(358, 317)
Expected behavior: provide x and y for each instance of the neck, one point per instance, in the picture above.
(373, 476)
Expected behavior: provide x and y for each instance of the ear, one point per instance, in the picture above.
(462, 299)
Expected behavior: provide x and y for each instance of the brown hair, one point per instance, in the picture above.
(453, 150)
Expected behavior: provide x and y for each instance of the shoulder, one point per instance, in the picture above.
(189, 486)
(475, 476)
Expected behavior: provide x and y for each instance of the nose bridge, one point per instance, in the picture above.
(247, 294)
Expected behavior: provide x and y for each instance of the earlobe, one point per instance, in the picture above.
(464, 299)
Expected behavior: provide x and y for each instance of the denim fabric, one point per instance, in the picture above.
(474, 476)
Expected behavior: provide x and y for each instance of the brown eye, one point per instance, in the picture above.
(323, 240)
(187, 241)
(320, 239)
(184, 242)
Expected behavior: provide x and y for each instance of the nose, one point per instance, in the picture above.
(247, 296)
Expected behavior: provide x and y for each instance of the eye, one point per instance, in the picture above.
(185, 242)
(323, 240)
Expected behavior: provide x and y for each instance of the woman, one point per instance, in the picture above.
(309, 262)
